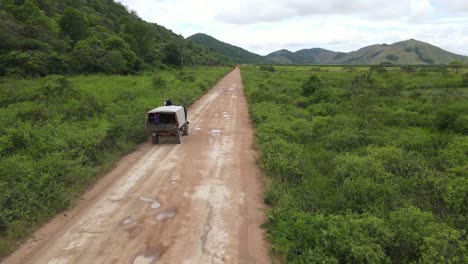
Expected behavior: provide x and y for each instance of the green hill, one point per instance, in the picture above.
(317, 55)
(304, 56)
(283, 57)
(403, 52)
(400, 53)
(235, 53)
(39, 37)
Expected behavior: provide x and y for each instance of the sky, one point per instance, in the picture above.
(265, 26)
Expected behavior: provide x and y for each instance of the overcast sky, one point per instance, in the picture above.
(264, 26)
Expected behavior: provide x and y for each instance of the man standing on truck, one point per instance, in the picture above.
(168, 102)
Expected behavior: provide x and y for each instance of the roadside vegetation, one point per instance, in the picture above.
(57, 134)
(364, 164)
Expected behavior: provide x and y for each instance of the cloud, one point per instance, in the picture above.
(457, 6)
(255, 11)
(174, 13)
(265, 26)
(420, 10)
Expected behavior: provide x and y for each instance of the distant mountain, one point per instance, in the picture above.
(400, 53)
(304, 56)
(283, 57)
(235, 53)
(403, 52)
(317, 55)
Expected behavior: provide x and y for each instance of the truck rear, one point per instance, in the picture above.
(167, 121)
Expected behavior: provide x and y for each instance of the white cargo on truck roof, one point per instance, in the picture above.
(178, 110)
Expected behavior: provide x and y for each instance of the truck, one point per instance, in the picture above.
(167, 121)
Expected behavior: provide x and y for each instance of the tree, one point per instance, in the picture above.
(173, 54)
(74, 24)
(457, 65)
(465, 80)
(311, 85)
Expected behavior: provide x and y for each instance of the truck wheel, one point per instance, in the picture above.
(185, 133)
(155, 139)
(177, 138)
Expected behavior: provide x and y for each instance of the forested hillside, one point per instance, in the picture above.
(364, 165)
(236, 54)
(39, 37)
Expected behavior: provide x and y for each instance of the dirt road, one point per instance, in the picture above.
(197, 202)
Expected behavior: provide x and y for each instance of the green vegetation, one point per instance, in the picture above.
(269, 68)
(40, 37)
(58, 133)
(366, 165)
(236, 54)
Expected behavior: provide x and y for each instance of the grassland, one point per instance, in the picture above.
(364, 165)
(57, 134)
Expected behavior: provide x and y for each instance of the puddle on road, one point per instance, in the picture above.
(147, 257)
(61, 260)
(154, 203)
(128, 220)
(169, 213)
(134, 231)
(175, 179)
(215, 132)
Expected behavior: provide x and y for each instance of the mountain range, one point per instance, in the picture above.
(400, 53)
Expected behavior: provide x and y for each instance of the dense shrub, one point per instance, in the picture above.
(311, 85)
(269, 68)
(465, 80)
(158, 82)
(365, 168)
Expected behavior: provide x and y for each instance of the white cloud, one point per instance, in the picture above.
(457, 6)
(420, 10)
(254, 11)
(263, 26)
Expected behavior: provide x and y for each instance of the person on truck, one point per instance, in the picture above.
(168, 102)
(156, 118)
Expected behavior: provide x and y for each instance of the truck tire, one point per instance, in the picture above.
(155, 139)
(185, 132)
(177, 138)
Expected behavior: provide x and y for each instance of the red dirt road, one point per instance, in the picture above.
(196, 202)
